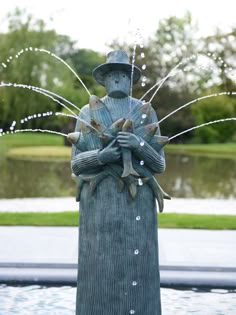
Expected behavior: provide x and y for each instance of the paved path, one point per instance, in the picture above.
(178, 247)
(179, 205)
(49, 255)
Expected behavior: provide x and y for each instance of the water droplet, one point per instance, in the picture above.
(134, 283)
(132, 311)
(142, 143)
(140, 182)
(35, 49)
(4, 65)
(1, 130)
(30, 48)
(26, 49)
(35, 116)
(141, 122)
(11, 128)
(136, 252)
(144, 116)
(39, 115)
(141, 162)
(142, 55)
(138, 218)
(22, 121)
(144, 67)
(26, 119)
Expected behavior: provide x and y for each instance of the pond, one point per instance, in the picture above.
(185, 176)
(39, 300)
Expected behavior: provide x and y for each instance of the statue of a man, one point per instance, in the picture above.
(118, 268)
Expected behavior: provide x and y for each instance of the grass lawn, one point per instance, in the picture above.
(34, 146)
(220, 150)
(45, 146)
(38, 153)
(166, 220)
(29, 139)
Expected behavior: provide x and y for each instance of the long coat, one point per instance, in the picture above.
(118, 266)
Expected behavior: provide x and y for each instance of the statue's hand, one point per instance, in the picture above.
(128, 140)
(110, 153)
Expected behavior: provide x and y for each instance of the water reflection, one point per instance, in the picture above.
(61, 301)
(35, 179)
(185, 176)
(199, 177)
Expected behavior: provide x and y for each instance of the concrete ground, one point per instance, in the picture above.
(183, 205)
(48, 255)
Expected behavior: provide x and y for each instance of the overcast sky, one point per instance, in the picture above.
(94, 23)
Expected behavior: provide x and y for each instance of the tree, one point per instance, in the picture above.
(173, 41)
(37, 69)
(203, 66)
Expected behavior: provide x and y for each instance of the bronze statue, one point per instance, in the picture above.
(117, 150)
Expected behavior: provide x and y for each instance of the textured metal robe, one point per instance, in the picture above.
(118, 267)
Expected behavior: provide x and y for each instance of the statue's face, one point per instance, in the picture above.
(117, 84)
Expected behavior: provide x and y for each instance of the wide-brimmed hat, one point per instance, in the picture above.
(116, 60)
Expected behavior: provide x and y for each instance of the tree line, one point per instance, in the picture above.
(206, 65)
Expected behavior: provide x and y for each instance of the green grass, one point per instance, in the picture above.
(197, 221)
(39, 218)
(29, 139)
(166, 220)
(217, 150)
(34, 146)
(41, 153)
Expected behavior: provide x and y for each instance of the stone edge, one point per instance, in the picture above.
(66, 274)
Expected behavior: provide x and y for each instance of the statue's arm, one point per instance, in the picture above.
(154, 159)
(83, 161)
(88, 160)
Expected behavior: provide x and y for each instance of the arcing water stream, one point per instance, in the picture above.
(157, 85)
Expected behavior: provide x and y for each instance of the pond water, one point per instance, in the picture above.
(185, 176)
(39, 300)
